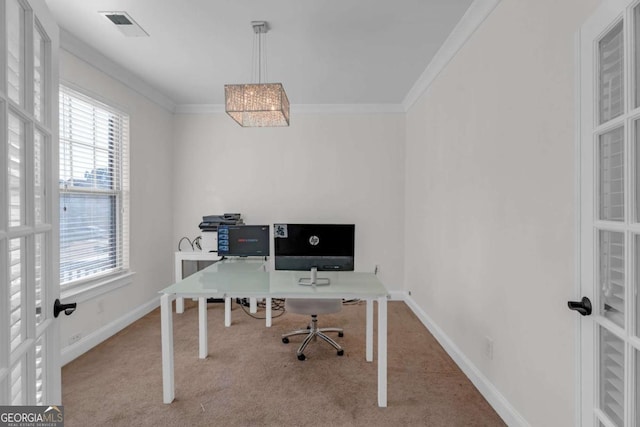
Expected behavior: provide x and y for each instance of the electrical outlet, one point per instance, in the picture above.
(75, 338)
(488, 348)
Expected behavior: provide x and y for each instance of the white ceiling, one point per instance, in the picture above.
(322, 51)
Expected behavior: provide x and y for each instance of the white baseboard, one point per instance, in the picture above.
(85, 344)
(499, 403)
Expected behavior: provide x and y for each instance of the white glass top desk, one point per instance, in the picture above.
(248, 278)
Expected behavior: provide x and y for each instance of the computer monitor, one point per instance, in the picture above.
(327, 247)
(243, 240)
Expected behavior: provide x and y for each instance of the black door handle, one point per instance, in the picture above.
(583, 307)
(67, 308)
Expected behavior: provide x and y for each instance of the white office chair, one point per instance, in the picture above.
(313, 307)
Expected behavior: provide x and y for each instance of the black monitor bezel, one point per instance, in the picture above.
(325, 262)
(245, 254)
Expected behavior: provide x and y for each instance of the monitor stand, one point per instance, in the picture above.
(314, 280)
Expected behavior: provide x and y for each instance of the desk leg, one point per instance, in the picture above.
(369, 330)
(202, 318)
(166, 322)
(227, 312)
(178, 271)
(382, 352)
(268, 311)
(253, 305)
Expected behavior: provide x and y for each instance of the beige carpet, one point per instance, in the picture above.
(252, 379)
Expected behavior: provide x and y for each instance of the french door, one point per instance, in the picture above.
(29, 278)
(610, 214)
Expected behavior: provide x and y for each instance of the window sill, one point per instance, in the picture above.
(94, 288)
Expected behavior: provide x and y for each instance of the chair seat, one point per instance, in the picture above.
(312, 306)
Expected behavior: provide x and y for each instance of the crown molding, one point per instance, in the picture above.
(199, 108)
(83, 51)
(347, 108)
(303, 108)
(470, 22)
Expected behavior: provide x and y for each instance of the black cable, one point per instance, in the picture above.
(196, 242)
(180, 241)
(277, 304)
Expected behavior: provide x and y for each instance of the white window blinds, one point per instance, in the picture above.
(611, 59)
(94, 188)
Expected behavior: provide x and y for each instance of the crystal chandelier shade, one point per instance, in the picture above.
(257, 104)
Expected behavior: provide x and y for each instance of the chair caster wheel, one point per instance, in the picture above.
(301, 357)
(340, 352)
(340, 334)
(285, 340)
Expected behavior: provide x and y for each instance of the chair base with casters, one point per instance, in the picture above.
(313, 307)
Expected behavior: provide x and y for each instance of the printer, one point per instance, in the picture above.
(209, 229)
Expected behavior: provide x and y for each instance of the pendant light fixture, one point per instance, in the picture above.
(258, 104)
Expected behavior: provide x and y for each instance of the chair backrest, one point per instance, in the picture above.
(312, 306)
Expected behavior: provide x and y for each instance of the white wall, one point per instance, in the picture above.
(343, 168)
(490, 203)
(151, 220)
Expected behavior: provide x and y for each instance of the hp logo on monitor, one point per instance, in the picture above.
(314, 240)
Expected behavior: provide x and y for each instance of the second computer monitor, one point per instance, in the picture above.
(243, 240)
(327, 247)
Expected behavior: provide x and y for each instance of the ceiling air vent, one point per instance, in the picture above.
(125, 24)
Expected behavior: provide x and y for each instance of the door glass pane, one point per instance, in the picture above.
(15, 48)
(611, 175)
(16, 171)
(16, 384)
(40, 370)
(38, 75)
(611, 264)
(38, 177)
(636, 53)
(40, 263)
(637, 387)
(16, 275)
(637, 285)
(611, 376)
(611, 74)
(637, 167)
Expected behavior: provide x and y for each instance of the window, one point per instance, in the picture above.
(94, 189)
